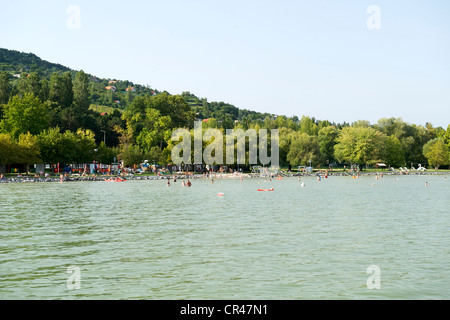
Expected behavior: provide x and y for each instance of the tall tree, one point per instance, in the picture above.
(29, 152)
(360, 145)
(308, 126)
(85, 145)
(174, 106)
(81, 92)
(447, 136)
(24, 114)
(31, 83)
(304, 148)
(156, 130)
(67, 92)
(327, 140)
(58, 147)
(8, 149)
(5, 88)
(436, 152)
(61, 89)
(394, 154)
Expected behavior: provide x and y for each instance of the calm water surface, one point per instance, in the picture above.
(144, 240)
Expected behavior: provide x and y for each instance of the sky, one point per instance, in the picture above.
(340, 60)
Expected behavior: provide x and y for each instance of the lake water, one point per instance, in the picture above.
(144, 240)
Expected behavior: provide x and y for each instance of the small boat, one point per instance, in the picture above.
(220, 194)
(265, 189)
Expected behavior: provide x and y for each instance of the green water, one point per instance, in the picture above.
(144, 240)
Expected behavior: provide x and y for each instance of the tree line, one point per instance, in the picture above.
(50, 119)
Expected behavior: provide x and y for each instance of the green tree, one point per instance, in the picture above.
(436, 152)
(446, 137)
(31, 83)
(394, 154)
(360, 145)
(105, 154)
(5, 88)
(156, 130)
(327, 140)
(85, 145)
(26, 114)
(81, 92)
(131, 154)
(29, 151)
(361, 123)
(57, 147)
(8, 149)
(174, 106)
(69, 119)
(304, 147)
(411, 137)
(61, 89)
(134, 116)
(308, 126)
(285, 137)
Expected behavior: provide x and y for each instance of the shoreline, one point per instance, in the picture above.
(29, 179)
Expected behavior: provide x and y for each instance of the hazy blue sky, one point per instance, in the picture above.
(316, 58)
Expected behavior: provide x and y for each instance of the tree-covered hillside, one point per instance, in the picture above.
(51, 114)
(114, 93)
(16, 62)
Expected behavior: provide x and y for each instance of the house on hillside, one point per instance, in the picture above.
(132, 89)
(113, 88)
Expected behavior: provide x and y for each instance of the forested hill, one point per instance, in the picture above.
(115, 93)
(50, 113)
(16, 62)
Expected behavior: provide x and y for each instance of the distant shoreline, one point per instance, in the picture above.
(30, 179)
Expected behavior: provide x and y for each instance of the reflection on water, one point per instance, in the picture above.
(144, 240)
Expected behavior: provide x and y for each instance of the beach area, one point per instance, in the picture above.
(181, 176)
